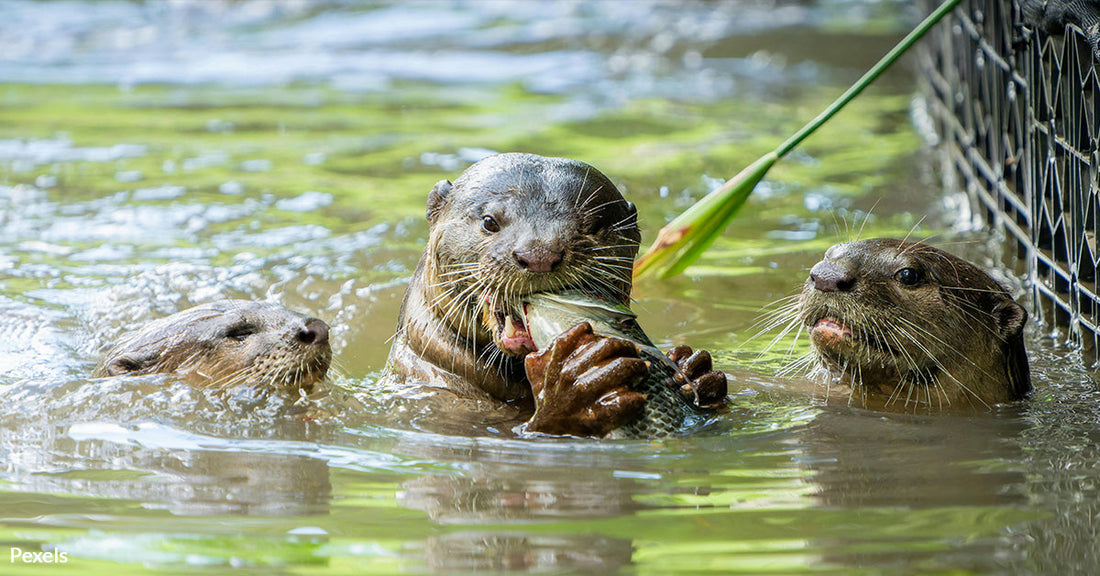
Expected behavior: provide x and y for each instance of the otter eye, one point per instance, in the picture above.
(123, 365)
(909, 276)
(489, 225)
(240, 331)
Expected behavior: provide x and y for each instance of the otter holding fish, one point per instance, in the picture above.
(510, 226)
(557, 320)
(907, 325)
(227, 343)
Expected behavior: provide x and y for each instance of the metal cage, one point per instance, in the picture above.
(1018, 114)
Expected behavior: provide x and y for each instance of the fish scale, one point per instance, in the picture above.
(667, 412)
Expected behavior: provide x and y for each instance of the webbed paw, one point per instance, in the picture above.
(582, 384)
(704, 386)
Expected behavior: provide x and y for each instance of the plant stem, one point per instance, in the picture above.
(684, 239)
(868, 77)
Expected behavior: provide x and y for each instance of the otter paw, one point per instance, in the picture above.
(703, 386)
(582, 384)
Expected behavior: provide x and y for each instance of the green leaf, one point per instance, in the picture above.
(683, 240)
(692, 232)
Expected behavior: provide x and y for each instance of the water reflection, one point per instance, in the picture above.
(197, 482)
(1061, 460)
(491, 495)
(480, 552)
(64, 447)
(867, 459)
(499, 494)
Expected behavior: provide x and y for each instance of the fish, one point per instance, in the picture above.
(667, 411)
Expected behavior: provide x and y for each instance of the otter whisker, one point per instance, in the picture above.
(450, 314)
(866, 218)
(615, 247)
(592, 211)
(616, 261)
(588, 199)
(950, 289)
(908, 383)
(576, 199)
(792, 324)
(854, 378)
(947, 346)
(799, 365)
(980, 317)
(914, 229)
(775, 314)
(605, 278)
(942, 368)
(626, 223)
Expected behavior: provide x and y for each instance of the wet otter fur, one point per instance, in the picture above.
(227, 343)
(510, 225)
(909, 327)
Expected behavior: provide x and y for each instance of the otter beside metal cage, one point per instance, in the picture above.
(1014, 88)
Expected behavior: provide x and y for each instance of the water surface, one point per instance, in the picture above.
(157, 156)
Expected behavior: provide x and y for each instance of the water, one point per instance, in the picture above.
(154, 156)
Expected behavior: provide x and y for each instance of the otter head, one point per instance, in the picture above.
(906, 324)
(515, 224)
(227, 343)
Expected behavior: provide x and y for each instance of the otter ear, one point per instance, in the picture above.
(631, 218)
(632, 209)
(630, 223)
(1011, 318)
(437, 198)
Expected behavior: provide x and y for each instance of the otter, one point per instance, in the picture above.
(227, 343)
(906, 325)
(512, 225)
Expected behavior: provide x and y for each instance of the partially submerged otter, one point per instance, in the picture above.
(908, 325)
(509, 226)
(226, 343)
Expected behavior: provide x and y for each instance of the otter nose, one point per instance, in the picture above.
(829, 277)
(313, 332)
(537, 259)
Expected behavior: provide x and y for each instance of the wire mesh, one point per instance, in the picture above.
(1017, 112)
